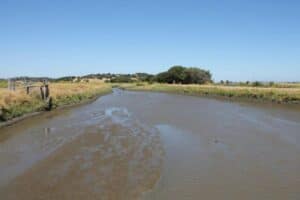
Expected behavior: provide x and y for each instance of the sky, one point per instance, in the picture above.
(236, 40)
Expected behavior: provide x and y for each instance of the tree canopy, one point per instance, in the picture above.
(184, 75)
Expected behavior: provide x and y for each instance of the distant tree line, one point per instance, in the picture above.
(129, 78)
(176, 74)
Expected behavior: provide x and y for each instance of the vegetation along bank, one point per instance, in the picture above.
(17, 103)
(278, 95)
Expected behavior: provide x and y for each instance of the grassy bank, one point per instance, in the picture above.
(3, 83)
(280, 95)
(17, 103)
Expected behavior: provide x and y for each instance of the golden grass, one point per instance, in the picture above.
(287, 85)
(279, 95)
(60, 91)
(17, 103)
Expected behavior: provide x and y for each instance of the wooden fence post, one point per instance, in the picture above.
(47, 92)
(27, 89)
(42, 92)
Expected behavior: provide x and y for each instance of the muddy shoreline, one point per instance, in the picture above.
(29, 115)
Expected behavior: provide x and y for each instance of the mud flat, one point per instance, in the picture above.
(142, 145)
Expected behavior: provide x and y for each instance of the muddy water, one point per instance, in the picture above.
(136, 145)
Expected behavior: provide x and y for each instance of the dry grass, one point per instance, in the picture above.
(279, 95)
(287, 85)
(9, 98)
(17, 103)
(65, 92)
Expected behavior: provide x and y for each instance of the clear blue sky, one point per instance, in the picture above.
(235, 40)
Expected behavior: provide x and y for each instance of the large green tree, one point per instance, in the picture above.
(196, 76)
(176, 74)
(184, 75)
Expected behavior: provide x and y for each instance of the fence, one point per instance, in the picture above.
(28, 86)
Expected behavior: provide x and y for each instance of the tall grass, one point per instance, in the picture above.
(17, 103)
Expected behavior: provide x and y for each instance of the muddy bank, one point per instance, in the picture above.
(28, 115)
(139, 145)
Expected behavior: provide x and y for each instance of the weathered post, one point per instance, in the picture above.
(42, 92)
(27, 89)
(47, 92)
(49, 103)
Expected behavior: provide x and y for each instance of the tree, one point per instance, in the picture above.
(196, 76)
(184, 75)
(176, 74)
(163, 77)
